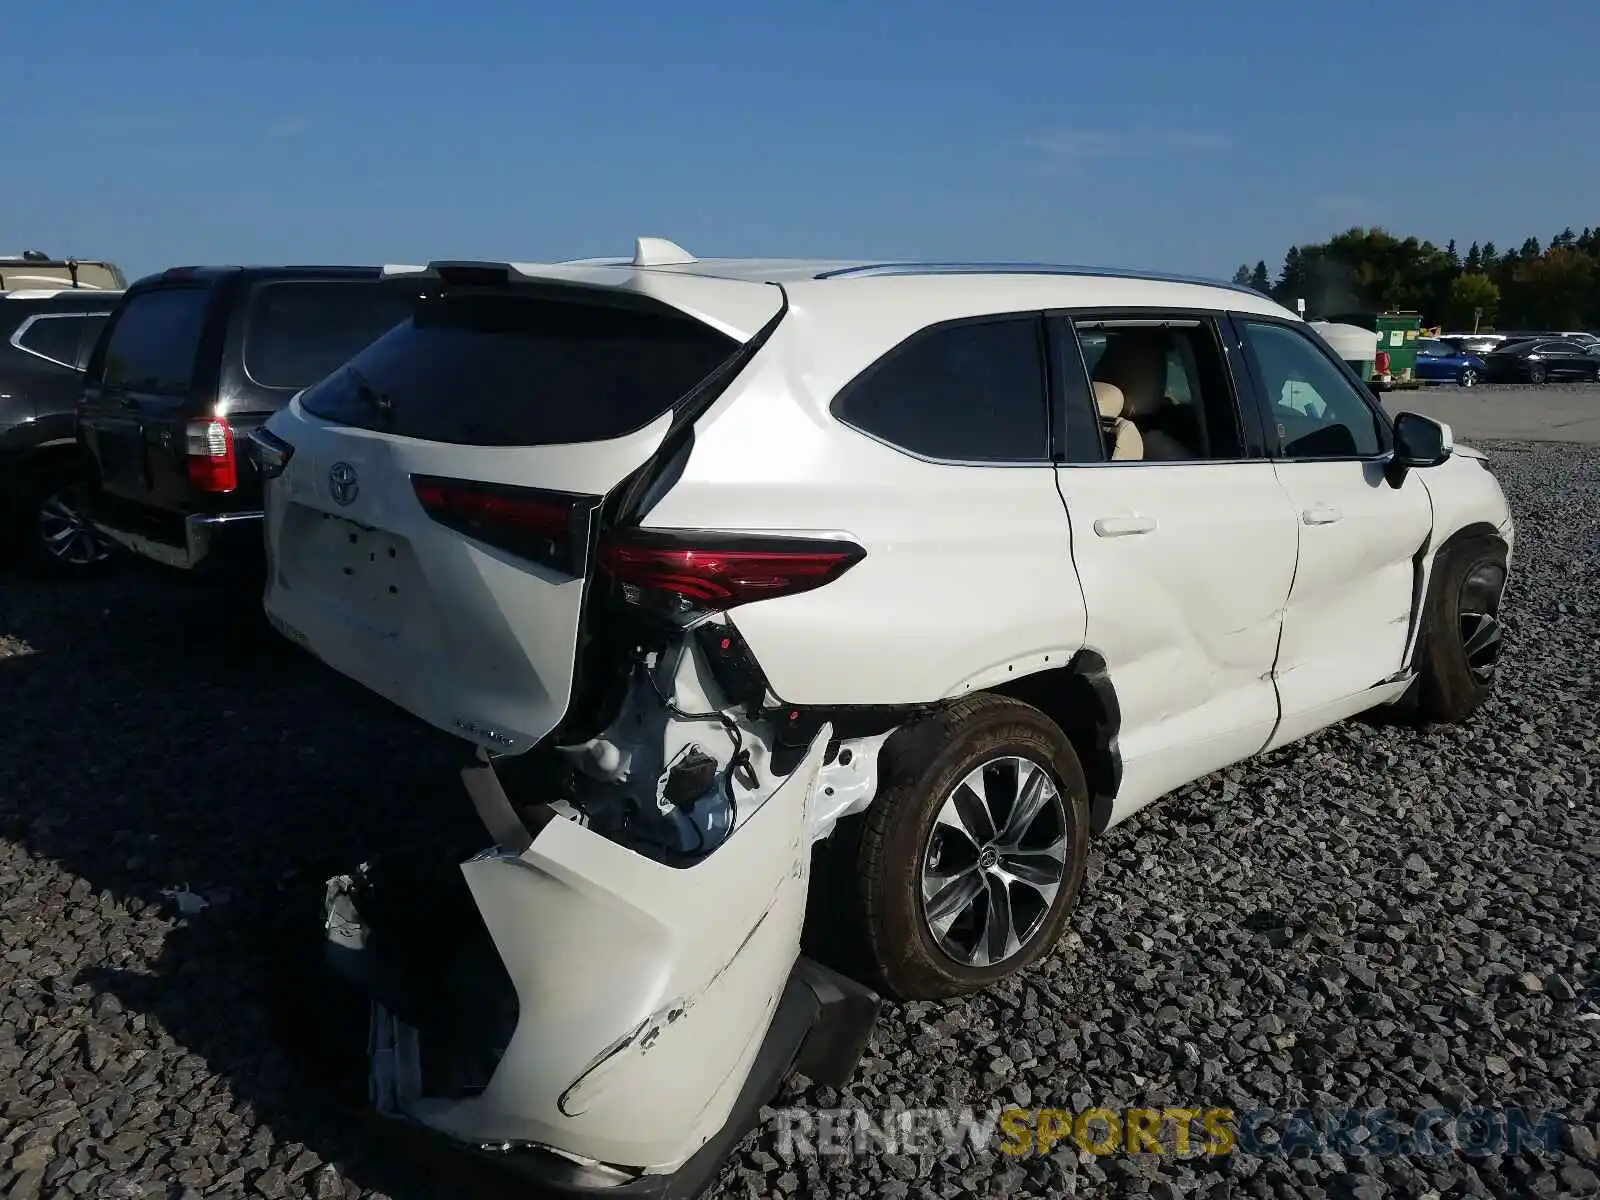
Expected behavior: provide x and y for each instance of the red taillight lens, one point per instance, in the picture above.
(548, 527)
(688, 574)
(209, 448)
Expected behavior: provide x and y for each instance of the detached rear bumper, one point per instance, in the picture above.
(566, 1013)
(216, 541)
(819, 1028)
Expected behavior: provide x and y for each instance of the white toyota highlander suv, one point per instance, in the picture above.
(951, 565)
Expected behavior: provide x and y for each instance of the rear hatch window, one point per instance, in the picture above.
(155, 341)
(509, 370)
(297, 332)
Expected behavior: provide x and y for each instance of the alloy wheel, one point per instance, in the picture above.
(995, 860)
(1469, 378)
(1481, 635)
(65, 532)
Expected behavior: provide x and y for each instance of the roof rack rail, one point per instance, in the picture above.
(1022, 268)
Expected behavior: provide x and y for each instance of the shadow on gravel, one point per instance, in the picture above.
(163, 741)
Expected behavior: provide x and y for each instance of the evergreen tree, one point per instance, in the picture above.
(1474, 258)
(1242, 276)
(1292, 280)
(1259, 279)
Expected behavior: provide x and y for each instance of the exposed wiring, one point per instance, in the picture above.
(740, 756)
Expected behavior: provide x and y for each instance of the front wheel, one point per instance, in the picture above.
(1461, 637)
(972, 855)
(1536, 373)
(1469, 377)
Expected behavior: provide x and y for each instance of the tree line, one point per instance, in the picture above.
(1553, 286)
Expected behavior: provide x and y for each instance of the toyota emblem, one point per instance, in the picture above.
(342, 482)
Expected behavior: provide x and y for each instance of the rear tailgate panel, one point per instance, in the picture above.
(558, 387)
(474, 640)
(125, 418)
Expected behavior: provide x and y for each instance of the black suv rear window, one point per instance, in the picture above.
(156, 340)
(508, 370)
(297, 332)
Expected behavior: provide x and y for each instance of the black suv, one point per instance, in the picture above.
(46, 336)
(192, 360)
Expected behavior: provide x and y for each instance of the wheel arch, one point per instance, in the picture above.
(57, 454)
(1082, 701)
(1427, 562)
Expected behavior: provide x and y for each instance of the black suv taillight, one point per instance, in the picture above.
(683, 575)
(210, 454)
(547, 527)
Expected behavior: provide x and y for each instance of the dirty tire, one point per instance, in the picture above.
(922, 765)
(1447, 690)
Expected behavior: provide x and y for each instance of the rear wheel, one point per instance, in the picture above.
(1469, 377)
(1536, 373)
(53, 528)
(971, 857)
(1461, 637)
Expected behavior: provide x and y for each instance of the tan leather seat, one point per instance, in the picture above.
(1136, 363)
(1127, 444)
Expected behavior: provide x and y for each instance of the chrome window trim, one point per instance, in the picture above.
(29, 322)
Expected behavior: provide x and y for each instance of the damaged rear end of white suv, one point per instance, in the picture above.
(604, 996)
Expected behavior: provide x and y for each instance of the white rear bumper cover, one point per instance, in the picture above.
(657, 1007)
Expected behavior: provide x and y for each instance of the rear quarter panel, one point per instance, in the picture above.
(968, 578)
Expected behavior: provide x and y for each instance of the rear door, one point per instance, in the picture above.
(1186, 551)
(431, 533)
(145, 367)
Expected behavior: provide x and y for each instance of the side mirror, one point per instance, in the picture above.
(1419, 441)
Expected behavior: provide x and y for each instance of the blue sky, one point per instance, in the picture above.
(1157, 134)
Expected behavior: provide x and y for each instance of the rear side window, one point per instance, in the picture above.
(156, 340)
(299, 332)
(509, 370)
(53, 337)
(972, 392)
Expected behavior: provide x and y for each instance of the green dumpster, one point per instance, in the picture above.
(1397, 337)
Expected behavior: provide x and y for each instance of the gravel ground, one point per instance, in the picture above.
(1376, 917)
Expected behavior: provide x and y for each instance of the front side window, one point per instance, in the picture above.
(970, 392)
(155, 342)
(1312, 408)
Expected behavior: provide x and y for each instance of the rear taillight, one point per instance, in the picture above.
(547, 527)
(684, 575)
(209, 448)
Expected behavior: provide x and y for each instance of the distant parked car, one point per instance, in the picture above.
(1541, 361)
(1473, 343)
(46, 336)
(191, 361)
(1439, 361)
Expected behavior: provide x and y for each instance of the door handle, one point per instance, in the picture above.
(1321, 514)
(1124, 526)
